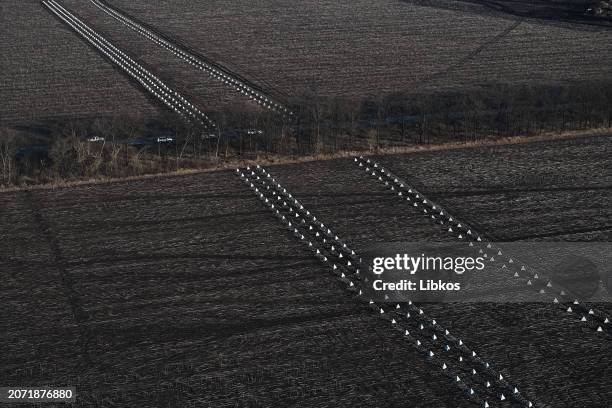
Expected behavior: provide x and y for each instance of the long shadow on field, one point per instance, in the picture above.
(213, 274)
(178, 221)
(124, 338)
(567, 11)
(114, 258)
(145, 198)
(510, 238)
(502, 190)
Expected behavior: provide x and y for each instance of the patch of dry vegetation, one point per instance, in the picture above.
(216, 163)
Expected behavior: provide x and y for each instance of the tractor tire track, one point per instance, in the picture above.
(467, 58)
(61, 265)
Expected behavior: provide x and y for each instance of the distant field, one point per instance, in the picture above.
(348, 48)
(48, 72)
(206, 92)
(362, 47)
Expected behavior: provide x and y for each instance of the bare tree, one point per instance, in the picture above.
(8, 149)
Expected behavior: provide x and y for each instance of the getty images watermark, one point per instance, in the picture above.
(501, 272)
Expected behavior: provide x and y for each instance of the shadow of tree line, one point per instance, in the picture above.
(131, 145)
(586, 12)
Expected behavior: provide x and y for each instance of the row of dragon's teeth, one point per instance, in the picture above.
(295, 202)
(458, 224)
(216, 73)
(149, 81)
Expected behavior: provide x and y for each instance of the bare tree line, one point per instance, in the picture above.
(332, 124)
(128, 146)
(7, 156)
